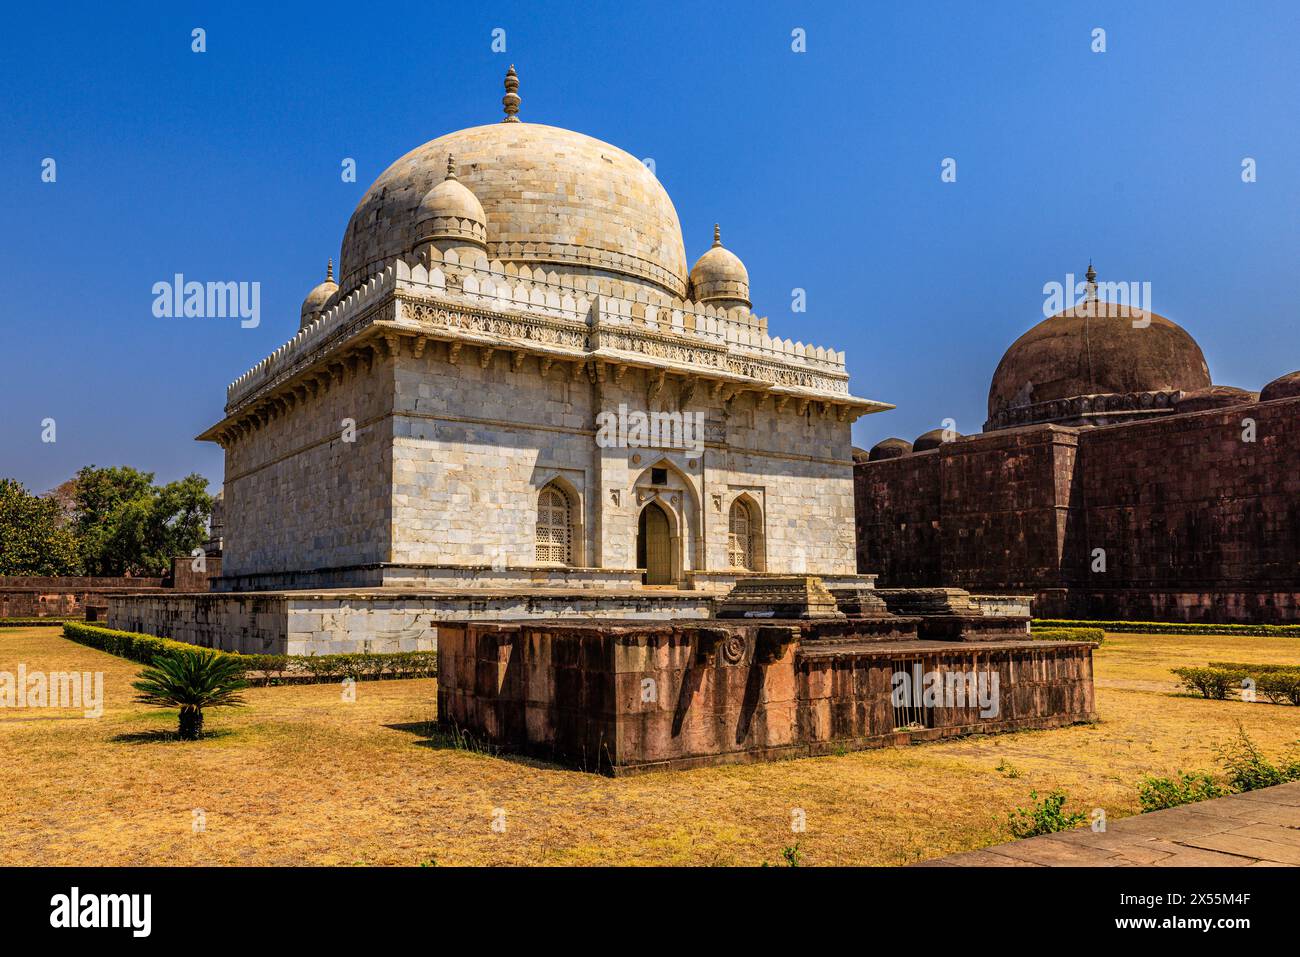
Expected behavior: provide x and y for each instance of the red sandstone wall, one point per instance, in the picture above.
(985, 513)
(61, 597)
(1197, 524)
(1003, 508)
(896, 504)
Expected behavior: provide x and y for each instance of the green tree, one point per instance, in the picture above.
(128, 526)
(192, 681)
(34, 537)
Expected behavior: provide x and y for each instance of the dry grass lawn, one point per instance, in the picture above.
(300, 777)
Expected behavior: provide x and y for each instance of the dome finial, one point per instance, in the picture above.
(451, 166)
(329, 270)
(511, 100)
(717, 235)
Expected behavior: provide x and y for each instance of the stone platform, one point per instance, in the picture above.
(623, 697)
(334, 621)
(405, 617)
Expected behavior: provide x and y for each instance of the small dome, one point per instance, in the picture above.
(1215, 397)
(451, 211)
(319, 299)
(719, 276)
(933, 439)
(860, 455)
(889, 449)
(1283, 387)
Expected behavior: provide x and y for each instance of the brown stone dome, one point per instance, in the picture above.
(551, 197)
(1076, 354)
(1283, 387)
(860, 455)
(933, 439)
(891, 448)
(1215, 397)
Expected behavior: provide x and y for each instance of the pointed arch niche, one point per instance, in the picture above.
(559, 537)
(668, 488)
(746, 543)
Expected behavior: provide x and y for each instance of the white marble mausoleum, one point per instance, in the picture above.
(435, 420)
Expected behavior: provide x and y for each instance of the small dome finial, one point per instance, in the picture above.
(717, 235)
(329, 270)
(511, 100)
(451, 166)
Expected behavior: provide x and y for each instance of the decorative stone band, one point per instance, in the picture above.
(1110, 405)
(723, 289)
(453, 227)
(564, 255)
(489, 306)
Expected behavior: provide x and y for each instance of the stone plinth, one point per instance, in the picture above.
(793, 596)
(634, 696)
(306, 622)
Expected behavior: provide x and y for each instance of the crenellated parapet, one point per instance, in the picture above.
(489, 304)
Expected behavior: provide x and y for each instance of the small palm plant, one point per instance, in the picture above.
(191, 681)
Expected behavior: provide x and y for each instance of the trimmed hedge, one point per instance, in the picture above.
(1172, 628)
(1277, 683)
(1210, 682)
(1067, 634)
(1279, 686)
(32, 622)
(1253, 668)
(261, 670)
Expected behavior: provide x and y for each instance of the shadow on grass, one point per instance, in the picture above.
(160, 735)
(441, 738)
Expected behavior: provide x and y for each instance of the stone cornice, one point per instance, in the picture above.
(487, 308)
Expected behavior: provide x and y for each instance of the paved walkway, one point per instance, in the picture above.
(1255, 829)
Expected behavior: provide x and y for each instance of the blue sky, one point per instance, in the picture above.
(823, 167)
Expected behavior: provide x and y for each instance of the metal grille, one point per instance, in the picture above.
(554, 531)
(911, 713)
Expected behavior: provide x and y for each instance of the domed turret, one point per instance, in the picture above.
(1095, 363)
(450, 215)
(933, 439)
(1283, 387)
(891, 448)
(319, 299)
(719, 277)
(1215, 397)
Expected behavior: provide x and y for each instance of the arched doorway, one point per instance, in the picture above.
(654, 545)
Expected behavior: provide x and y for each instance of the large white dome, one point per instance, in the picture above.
(551, 196)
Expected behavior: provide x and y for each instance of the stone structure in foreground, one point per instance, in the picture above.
(621, 697)
(1112, 481)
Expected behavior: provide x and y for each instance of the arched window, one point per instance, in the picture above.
(740, 536)
(554, 528)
